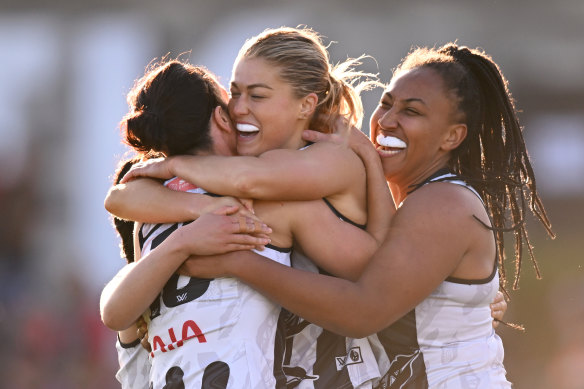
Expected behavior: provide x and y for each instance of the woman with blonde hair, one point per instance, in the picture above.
(271, 106)
(453, 153)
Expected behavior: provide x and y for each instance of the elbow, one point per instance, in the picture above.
(110, 313)
(111, 202)
(246, 184)
(112, 321)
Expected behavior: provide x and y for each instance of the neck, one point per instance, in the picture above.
(401, 188)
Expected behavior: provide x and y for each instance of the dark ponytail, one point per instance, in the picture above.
(493, 157)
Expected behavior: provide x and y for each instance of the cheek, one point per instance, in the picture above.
(373, 124)
(230, 108)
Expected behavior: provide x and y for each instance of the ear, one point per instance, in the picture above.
(454, 137)
(308, 105)
(221, 117)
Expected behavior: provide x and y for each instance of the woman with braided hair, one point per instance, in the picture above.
(452, 151)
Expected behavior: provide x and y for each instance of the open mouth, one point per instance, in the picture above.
(389, 145)
(246, 130)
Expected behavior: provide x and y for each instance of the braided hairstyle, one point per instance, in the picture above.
(170, 109)
(303, 62)
(493, 157)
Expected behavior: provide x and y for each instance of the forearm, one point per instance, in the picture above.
(380, 207)
(319, 171)
(229, 176)
(136, 285)
(148, 201)
(320, 299)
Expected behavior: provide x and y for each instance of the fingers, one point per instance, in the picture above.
(342, 125)
(312, 136)
(127, 177)
(248, 204)
(245, 212)
(248, 225)
(499, 297)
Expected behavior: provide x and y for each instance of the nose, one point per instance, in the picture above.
(388, 119)
(238, 106)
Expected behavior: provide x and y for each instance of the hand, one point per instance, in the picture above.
(220, 232)
(498, 309)
(340, 134)
(245, 206)
(153, 168)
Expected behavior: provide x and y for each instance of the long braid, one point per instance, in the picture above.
(493, 157)
(505, 157)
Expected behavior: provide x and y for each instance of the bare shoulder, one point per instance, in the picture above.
(443, 203)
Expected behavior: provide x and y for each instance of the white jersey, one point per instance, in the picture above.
(134, 365)
(216, 333)
(448, 340)
(314, 358)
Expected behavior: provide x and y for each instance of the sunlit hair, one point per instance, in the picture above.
(303, 63)
(170, 108)
(493, 157)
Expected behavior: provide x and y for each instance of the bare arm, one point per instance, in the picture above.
(334, 245)
(148, 201)
(337, 246)
(321, 170)
(418, 254)
(131, 291)
(380, 207)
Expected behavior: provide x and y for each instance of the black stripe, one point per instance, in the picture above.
(129, 345)
(341, 216)
(280, 249)
(474, 282)
(141, 238)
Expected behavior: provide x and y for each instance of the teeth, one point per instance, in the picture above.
(247, 128)
(390, 141)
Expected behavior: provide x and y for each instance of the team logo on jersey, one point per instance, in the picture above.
(353, 357)
(401, 370)
(190, 330)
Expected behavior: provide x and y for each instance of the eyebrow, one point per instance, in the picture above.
(252, 86)
(410, 100)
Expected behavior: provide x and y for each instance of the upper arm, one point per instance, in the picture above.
(321, 170)
(426, 242)
(336, 246)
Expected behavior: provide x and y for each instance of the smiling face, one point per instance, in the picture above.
(413, 127)
(264, 109)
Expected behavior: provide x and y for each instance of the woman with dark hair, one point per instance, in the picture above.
(201, 329)
(453, 153)
(283, 84)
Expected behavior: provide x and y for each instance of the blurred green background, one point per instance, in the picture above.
(67, 66)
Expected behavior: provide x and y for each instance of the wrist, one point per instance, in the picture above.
(171, 164)
(176, 251)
